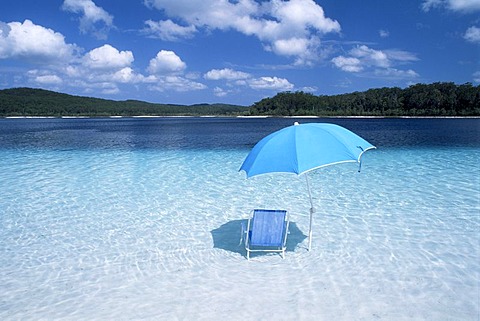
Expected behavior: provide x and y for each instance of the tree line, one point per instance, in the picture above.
(39, 102)
(437, 99)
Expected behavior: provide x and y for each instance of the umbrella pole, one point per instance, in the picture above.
(312, 210)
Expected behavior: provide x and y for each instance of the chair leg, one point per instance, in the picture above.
(242, 234)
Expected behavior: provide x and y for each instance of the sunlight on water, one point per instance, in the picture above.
(128, 234)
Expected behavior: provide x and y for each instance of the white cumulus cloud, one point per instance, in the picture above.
(226, 73)
(472, 35)
(302, 14)
(48, 80)
(44, 77)
(34, 43)
(349, 64)
(371, 57)
(272, 83)
(235, 79)
(381, 62)
(290, 47)
(107, 57)
(127, 75)
(101, 69)
(166, 62)
(289, 28)
(93, 19)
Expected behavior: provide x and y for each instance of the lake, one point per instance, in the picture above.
(139, 218)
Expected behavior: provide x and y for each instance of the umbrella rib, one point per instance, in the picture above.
(363, 152)
(326, 165)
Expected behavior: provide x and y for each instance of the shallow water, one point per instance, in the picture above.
(139, 219)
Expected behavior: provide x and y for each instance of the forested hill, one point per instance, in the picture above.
(437, 99)
(39, 102)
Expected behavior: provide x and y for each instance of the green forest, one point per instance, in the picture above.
(437, 99)
(39, 102)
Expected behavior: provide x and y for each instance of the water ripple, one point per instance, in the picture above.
(127, 234)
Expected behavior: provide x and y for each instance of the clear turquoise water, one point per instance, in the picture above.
(108, 228)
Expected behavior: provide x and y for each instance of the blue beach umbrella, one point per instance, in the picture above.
(302, 148)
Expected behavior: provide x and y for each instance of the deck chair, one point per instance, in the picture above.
(267, 232)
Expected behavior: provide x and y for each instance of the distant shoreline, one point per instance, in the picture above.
(442, 100)
(246, 117)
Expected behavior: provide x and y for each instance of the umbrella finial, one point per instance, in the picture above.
(296, 123)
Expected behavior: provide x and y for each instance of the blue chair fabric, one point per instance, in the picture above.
(267, 231)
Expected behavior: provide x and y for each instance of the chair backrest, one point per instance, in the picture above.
(268, 228)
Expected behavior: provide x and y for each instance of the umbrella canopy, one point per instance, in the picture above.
(301, 148)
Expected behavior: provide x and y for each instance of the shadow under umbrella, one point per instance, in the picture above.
(228, 236)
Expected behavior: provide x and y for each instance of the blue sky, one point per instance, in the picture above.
(235, 51)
